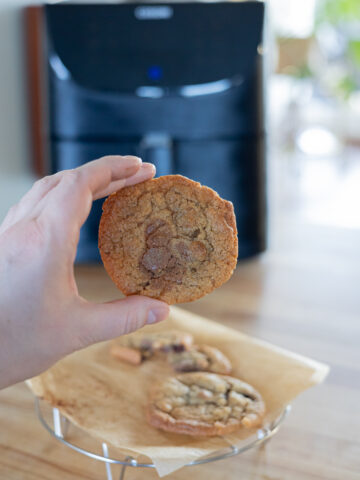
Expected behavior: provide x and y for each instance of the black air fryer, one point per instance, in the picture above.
(179, 84)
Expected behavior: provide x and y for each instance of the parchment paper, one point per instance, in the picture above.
(107, 398)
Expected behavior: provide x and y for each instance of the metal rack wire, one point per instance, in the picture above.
(60, 427)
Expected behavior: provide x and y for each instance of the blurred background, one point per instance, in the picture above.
(311, 119)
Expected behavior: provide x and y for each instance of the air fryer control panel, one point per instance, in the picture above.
(130, 45)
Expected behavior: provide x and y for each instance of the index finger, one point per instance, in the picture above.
(70, 201)
(98, 174)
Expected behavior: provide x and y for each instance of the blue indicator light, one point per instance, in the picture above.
(155, 72)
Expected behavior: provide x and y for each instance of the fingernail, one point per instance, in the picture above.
(157, 314)
(134, 165)
(132, 158)
(148, 165)
(136, 160)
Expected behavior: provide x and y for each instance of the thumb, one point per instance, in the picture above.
(104, 321)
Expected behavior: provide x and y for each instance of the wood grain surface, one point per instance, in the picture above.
(304, 295)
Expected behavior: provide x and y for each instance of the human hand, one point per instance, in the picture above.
(42, 315)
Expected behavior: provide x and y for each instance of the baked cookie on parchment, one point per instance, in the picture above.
(200, 358)
(140, 346)
(204, 404)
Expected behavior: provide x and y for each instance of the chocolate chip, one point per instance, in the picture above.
(158, 234)
(162, 256)
(178, 348)
(154, 226)
(193, 251)
(158, 239)
(184, 250)
(156, 259)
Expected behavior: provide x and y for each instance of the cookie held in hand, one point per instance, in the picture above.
(168, 238)
(204, 404)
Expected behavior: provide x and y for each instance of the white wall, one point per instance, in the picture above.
(15, 173)
(16, 176)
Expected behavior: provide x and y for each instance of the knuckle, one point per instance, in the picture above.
(82, 339)
(34, 233)
(10, 216)
(43, 182)
(133, 319)
(70, 176)
(13, 209)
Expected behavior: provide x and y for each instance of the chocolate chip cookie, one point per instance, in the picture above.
(169, 238)
(204, 404)
(140, 346)
(200, 358)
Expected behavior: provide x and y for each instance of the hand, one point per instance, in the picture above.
(42, 316)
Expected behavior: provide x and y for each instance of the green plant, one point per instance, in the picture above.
(338, 11)
(343, 16)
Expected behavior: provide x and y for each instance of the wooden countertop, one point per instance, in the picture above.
(303, 294)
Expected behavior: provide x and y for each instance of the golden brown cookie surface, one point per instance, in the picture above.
(204, 404)
(168, 238)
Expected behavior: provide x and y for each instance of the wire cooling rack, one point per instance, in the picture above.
(60, 430)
